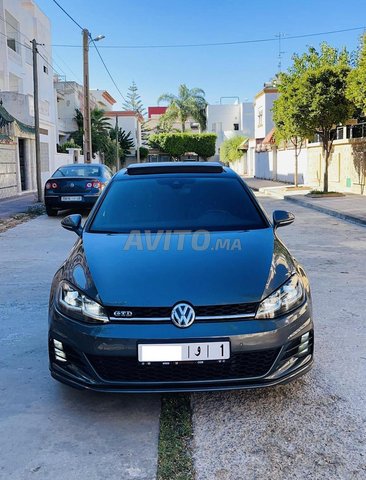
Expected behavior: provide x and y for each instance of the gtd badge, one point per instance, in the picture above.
(122, 313)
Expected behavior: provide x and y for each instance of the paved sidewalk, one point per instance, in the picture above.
(48, 430)
(312, 428)
(13, 205)
(352, 207)
(257, 183)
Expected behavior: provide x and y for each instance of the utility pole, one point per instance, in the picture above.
(87, 147)
(36, 121)
(117, 156)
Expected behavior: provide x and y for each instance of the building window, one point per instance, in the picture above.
(260, 117)
(12, 32)
(236, 126)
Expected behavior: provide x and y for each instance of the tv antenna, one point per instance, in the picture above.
(280, 36)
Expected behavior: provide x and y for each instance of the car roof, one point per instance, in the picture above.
(173, 167)
(81, 165)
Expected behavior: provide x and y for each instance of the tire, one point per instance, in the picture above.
(51, 212)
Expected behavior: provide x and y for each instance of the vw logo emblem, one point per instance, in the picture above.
(72, 185)
(183, 315)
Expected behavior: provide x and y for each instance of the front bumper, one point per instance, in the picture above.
(104, 357)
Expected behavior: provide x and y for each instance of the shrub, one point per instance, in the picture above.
(143, 152)
(69, 144)
(177, 144)
(229, 149)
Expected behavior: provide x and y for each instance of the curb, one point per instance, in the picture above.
(264, 192)
(327, 211)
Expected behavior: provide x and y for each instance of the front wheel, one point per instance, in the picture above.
(51, 212)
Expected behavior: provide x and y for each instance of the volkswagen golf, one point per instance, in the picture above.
(178, 282)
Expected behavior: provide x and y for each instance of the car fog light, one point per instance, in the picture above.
(58, 344)
(304, 345)
(60, 355)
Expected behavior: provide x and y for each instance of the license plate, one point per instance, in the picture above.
(71, 199)
(184, 352)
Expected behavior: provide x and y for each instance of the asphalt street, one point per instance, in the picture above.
(47, 430)
(315, 427)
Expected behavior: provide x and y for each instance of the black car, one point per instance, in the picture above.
(179, 282)
(75, 186)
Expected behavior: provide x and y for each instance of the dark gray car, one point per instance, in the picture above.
(178, 282)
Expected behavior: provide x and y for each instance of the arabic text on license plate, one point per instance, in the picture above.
(71, 199)
(183, 352)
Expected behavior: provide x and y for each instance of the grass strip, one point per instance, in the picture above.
(175, 456)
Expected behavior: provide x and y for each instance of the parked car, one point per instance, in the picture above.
(179, 282)
(75, 186)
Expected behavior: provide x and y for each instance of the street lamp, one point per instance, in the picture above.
(87, 147)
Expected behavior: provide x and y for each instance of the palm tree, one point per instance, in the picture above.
(100, 127)
(190, 102)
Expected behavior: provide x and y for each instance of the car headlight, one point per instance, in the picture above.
(289, 296)
(74, 303)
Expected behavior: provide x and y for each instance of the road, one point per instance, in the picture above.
(47, 430)
(315, 427)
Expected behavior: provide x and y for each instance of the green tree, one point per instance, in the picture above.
(133, 101)
(190, 102)
(125, 142)
(167, 120)
(100, 127)
(356, 88)
(229, 149)
(318, 80)
(288, 128)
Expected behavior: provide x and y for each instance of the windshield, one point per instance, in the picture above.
(77, 171)
(172, 202)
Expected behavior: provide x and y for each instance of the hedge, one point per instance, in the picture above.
(177, 144)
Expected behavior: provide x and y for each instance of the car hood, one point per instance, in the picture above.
(163, 269)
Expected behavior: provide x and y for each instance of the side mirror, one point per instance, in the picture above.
(73, 223)
(281, 218)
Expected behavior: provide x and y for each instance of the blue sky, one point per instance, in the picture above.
(237, 70)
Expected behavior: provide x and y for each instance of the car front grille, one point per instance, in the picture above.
(163, 313)
(240, 365)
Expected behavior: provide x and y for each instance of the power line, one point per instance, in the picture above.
(96, 48)
(16, 41)
(216, 44)
(39, 45)
(70, 17)
(107, 69)
(21, 33)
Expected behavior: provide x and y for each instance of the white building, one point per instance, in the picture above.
(259, 159)
(229, 120)
(20, 22)
(130, 122)
(103, 99)
(70, 97)
(263, 104)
